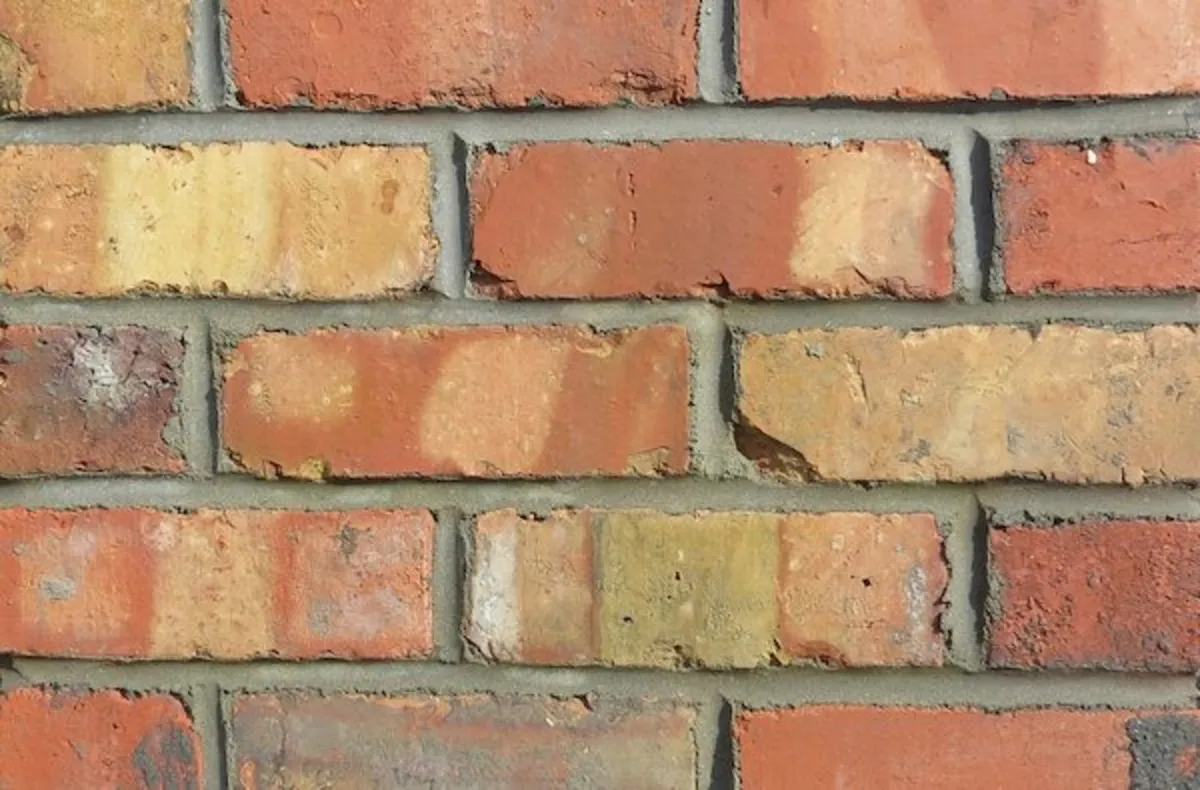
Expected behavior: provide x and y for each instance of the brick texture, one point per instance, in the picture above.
(60, 739)
(1069, 403)
(463, 741)
(639, 588)
(1118, 595)
(68, 56)
(697, 218)
(1114, 217)
(951, 748)
(927, 50)
(78, 400)
(254, 219)
(473, 402)
(511, 53)
(124, 584)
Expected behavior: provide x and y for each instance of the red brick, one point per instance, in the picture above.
(469, 401)
(461, 741)
(509, 53)
(859, 747)
(1119, 595)
(1112, 217)
(699, 218)
(123, 584)
(68, 56)
(58, 740)
(930, 49)
(88, 400)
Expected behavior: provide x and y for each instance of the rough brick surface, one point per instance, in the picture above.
(1113, 217)
(59, 740)
(509, 53)
(1120, 595)
(857, 747)
(639, 588)
(474, 402)
(927, 49)
(252, 219)
(697, 218)
(125, 584)
(1071, 403)
(463, 742)
(68, 56)
(75, 400)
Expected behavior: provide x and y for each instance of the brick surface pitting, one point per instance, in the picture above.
(1068, 403)
(472, 402)
(64, 739)
(689, 218)
(1118, 595)
(639, 588)
(509, 53)
(459, 741)
(79, 400)
(251, 219)
(142, 584)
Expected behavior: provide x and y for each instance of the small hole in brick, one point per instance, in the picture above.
(627, 620)
(866, 582)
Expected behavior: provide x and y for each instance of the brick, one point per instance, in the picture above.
(713, 590)
(1112, 217)
(246, 219)
(459, 741)
(1070, 403)
(60, 739)
(699, 218)
(511, 53)
(1118, 595)
(123, 584)
(925, 50)
(950, 748)
(459, 402)
(69, 56)
(79, 400)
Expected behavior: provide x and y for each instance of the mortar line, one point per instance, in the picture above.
(715, 68)
(711, 443)
(962, 622)
(446, 587)
(714, 768)
(969, 265)
(198, 411)
(449, 161)
(208, 72)
(207, 719)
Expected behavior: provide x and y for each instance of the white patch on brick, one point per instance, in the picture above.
(494, 626)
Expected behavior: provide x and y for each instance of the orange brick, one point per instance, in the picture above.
(694, 218)
(124, 584)
(469, 401)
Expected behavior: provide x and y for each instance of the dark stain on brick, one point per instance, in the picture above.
(166, 759)
(1166, 753)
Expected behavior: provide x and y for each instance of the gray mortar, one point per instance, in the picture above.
(208, 67)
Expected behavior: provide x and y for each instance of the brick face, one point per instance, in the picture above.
(253, 219)
(543, 402)
(462, 741)
(1113, 217)
(93, 401)
(124, 584)
(1072, 404)
(923, 50)
(638, 588)
(572, 220)
(1117, 595)
(61, 739)
(511, 53)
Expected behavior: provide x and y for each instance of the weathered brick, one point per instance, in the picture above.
(926, 49)
(466, 401)
(68, 56)
(951, 748)
(1111, 217)
(1119, 595)
(695, 218)
(59, 739)
(124, 584)
(510, 53)
(246, 219)
(640, 588)
(1068, 403)
(461, 741)
(88, 400)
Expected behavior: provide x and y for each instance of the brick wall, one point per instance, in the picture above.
(671, 394)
